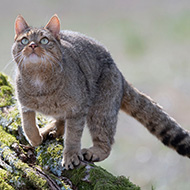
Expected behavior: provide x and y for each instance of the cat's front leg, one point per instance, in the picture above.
(72, 151)
(30, 128)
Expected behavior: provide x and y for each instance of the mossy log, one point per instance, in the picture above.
(24, 167)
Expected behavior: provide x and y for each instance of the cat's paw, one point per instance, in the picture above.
(94, 154)
(52, 134)
(71, 159)
(37, 141)
(52, 130)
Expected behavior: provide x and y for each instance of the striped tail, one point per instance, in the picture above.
(158, 122)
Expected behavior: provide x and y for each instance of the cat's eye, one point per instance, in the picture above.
(24, 41)
(44, 41)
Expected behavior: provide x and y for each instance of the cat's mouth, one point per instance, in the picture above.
(33, 58)
(33, 54)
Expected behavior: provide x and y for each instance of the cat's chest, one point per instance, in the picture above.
(53, 105)
(49, 101)
(38, 83)
(49, 105)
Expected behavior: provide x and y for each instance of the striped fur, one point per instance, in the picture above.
(74, 79)
(156, 120)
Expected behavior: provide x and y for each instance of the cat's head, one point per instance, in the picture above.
(37, 47)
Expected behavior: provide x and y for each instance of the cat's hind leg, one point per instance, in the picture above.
(102, 127)
(102, 115)
(55, 129)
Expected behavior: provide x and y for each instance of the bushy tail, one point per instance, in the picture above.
(158, 122)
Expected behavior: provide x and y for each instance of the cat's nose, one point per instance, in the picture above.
(33, 45)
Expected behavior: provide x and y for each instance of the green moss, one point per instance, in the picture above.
(3, 180)
(76, 175)
(14, 121)
(31, 176)
(92, 177)
(49, 154)
(6, 138)
(10, 177)
(11, 123)
(102, 180)
(41, 120)
(5, 96)
(6, 91)
(22, 173)
(14, 114)
(4, 80)
(3, 174)
(17, 180)
(37, 181)
(55, 151)
(5, 186)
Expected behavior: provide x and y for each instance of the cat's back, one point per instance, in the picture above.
(89, 51)
(85, 45)
(92, 58)
(79, 39)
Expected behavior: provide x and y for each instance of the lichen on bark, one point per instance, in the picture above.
(6, 91)
(25, 167)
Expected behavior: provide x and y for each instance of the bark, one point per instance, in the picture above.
(24, 167)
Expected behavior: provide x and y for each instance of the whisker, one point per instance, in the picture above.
(47, 59)
(10, 62)
(42, 62)
(57, 61)
(52, 65)
(20, 63)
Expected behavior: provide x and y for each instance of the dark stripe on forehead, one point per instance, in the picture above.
(33, 33)
(41, 33)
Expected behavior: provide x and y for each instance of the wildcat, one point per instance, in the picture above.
(74, 79)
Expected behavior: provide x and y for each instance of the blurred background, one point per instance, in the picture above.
(150, 42)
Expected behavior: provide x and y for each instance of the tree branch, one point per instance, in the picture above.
(24, 167)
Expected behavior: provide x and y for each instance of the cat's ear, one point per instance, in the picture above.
(54, 26)
(20, 25)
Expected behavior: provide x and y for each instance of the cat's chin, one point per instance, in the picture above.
(33, 58)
